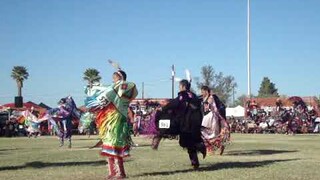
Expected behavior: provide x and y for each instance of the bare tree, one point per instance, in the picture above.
(223, 86)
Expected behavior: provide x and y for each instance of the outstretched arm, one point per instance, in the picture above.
(173, 104)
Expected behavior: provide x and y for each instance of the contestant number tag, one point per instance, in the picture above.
(164, 123)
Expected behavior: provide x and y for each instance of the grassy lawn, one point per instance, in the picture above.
(247, 157)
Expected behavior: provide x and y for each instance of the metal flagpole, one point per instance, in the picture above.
(248, 49)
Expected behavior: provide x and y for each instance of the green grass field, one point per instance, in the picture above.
(247, 157)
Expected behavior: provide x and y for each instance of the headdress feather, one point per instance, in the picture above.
(114, 64)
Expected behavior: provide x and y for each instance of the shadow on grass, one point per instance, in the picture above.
(219, 166)
(3, 150)
(257, 152)
(93, 147)
(88, 139)
(39, 165)
(7, 151)
(87, 147)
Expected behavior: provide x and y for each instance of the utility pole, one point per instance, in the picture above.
(142, 90)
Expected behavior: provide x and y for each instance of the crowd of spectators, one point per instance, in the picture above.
(278, 119)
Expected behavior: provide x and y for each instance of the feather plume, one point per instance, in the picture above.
(114, 64)
(177, 79)
(188, 75)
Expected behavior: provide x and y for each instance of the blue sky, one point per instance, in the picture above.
(58, 40)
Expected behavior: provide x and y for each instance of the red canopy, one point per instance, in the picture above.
(27, 105)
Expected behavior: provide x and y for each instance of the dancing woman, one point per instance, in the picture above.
(31, 122)
(187, 114)
(61, 119)
(66, 112)
(111, 104)
(215, 129)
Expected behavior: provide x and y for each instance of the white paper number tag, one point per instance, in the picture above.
(164, 123)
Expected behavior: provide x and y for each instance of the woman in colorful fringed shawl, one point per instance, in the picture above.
(67, 111)
(30, 121)
(215, 129)
(111, 104)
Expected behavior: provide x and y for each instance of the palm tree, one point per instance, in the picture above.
(19, 74)
(92, 76)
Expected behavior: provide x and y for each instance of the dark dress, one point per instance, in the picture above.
(186, 115)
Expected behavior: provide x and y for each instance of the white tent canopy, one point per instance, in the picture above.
(238, 111)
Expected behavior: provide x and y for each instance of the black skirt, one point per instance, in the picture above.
(187, 127)
(167, 124)
(190, 129)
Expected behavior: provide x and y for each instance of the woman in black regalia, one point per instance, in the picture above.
(185, 117)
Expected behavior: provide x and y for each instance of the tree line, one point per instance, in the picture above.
(224, 86)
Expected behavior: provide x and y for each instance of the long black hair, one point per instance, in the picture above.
(185, 83)
(122, 74)
(206, 88)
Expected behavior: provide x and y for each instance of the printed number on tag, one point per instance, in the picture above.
(164, 123)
